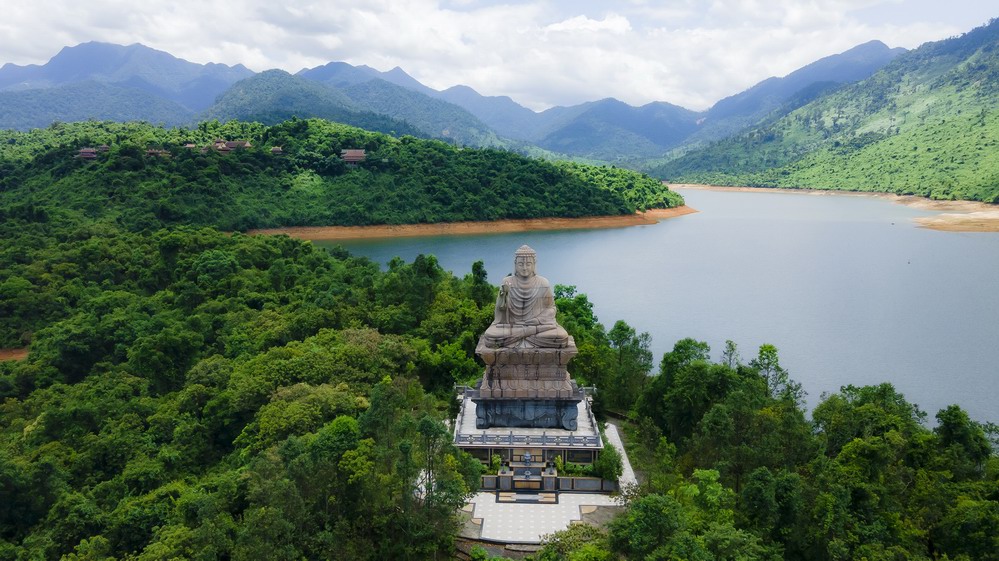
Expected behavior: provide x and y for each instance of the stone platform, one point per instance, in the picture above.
(468, 435)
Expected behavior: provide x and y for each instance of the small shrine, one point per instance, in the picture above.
(526, 409)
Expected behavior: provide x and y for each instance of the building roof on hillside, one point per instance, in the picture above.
(352, 155)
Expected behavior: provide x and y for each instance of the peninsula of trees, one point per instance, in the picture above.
(292, 174)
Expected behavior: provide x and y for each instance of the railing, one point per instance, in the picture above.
(471, 391)
(462, 391)
(528, 439)
(589, 410)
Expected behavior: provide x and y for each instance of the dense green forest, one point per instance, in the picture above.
(403, 180)
(185, 387)
(926, 124)
(734, 469)
(199, 395)
(196, 394)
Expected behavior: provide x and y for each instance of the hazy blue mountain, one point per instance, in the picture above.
(609, 129)
(192, 85)
(342, 75)
(339, 74)
(82, 101)
(399, 77)
(504, 115)
(274, 96)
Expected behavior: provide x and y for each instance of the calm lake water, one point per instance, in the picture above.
(847, 288)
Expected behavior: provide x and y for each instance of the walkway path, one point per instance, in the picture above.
(627, 474)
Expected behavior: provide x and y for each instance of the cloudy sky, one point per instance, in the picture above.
(688, 52)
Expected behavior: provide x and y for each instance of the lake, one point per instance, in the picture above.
(847, 288)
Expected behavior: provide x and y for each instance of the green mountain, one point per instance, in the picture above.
(82, 101)
(274, 96)
(399, 96)
(612, 130)
(434, 117)
(926, 124)
(747, 108)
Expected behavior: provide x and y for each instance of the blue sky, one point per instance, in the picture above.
(688, 52)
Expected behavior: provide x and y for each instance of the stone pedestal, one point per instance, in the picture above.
(526, 373)
(527, 387)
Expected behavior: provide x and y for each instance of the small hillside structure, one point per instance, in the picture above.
(353, 156)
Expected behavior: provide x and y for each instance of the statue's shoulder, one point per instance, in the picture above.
(542, 281)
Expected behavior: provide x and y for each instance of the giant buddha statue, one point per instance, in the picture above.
(525, 309)
(526, 351)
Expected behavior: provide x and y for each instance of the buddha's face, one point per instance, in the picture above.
(523, 266)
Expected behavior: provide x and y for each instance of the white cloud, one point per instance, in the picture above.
(614, 23)
(687, 52)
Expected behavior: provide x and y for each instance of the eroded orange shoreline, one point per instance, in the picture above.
(13, 354)
(958, 216)
(468, 228)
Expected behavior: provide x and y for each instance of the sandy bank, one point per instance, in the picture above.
(982, 221)
(13, 354)
(961, 216)
(466, 228)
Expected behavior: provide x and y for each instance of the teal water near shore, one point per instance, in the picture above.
(848, 288)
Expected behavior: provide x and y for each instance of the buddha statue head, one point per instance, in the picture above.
(524, 260)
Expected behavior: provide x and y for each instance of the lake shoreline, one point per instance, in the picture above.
(13, 354)
(957, 216)
(378, 231)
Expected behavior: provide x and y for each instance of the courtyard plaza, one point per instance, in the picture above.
(526, 518)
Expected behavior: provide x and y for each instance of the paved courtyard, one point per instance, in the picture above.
(528, 522)
(513, 522)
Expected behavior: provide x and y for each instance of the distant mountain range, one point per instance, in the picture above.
(194, 86)
(927, 123)
(105, 81)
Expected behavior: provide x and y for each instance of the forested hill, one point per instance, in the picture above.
(926, 124)
(149, 177)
